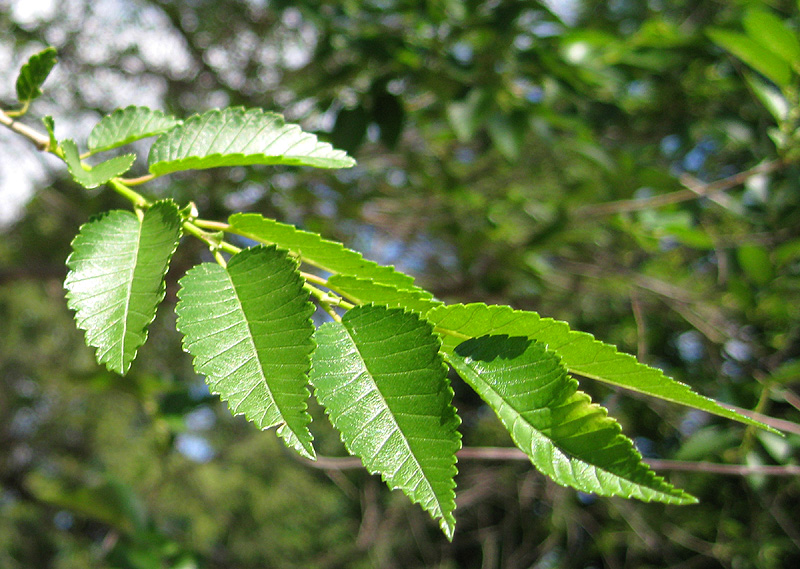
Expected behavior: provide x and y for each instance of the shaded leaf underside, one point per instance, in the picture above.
(383, 383)
(116, 278)
(248, 327)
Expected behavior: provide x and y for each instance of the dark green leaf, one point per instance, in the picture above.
(34, 73)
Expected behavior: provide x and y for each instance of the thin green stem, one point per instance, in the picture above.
(135, 198)
(220, 259)
(138, 181)
(213, 225)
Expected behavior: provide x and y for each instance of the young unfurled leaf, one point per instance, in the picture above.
(124, 126)
(116, 278)
(248, 326)
(240, 137)
(34, 73)
(98, 175)
(579, 352)
(566, 437)
(327, 255)
(383, 383)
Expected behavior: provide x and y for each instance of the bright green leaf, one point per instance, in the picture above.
(579, 351)
(97, 175)
(363, 291)
(248, 326)
(124, 126)
(566, 437)
(768, 30)
(34, 73)
(314, 250)
(754, 54)
(240, 137)
(383, 383)
(116, 278)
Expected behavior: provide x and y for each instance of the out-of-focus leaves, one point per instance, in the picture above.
(772, 33)
(754, 54)
(755, 263)
(350, 129)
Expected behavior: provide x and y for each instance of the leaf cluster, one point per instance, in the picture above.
(379, 364)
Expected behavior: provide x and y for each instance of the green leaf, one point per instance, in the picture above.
(34, 73)
(771, 32)
(314, 250)
(566, 437)
(383, 383)
(754, 54)
(124, 126)
(50, 125)
(240, 137)
(363, 291)
(579, 351)
(116, 278)
(97, 175)
(248, 326)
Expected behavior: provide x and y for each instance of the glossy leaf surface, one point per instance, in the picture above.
(116, 278)
(579, 351)
(248, 327)
(383, 383)
(240, 137)
(566, 437)
(124, 126)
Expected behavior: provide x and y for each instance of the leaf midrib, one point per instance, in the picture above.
(432, 492)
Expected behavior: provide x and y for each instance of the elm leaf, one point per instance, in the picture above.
(116, 278)
(248, 327)
(380, 377)
(240, 137)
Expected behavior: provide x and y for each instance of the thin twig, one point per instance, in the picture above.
(41, 142)
(513, 454)
(694, 190)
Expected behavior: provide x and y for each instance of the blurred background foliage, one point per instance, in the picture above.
(629, 167)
